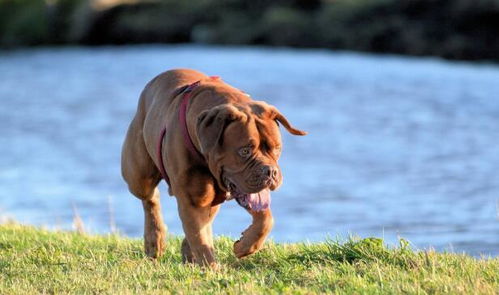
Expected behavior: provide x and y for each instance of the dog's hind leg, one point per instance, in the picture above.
(142, 177)
(154, 227)
(254, 236)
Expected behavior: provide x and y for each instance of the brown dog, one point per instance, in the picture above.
(236, 143)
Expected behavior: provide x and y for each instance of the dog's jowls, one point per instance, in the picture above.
(240, 142)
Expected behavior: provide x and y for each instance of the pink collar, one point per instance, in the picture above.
(182, 116)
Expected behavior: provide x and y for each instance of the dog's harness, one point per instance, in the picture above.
(182, 116)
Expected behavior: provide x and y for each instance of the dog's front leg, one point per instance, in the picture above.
(187, 255)
(254, 236)
(196, 222)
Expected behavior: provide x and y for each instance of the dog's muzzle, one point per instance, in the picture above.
(265, 176)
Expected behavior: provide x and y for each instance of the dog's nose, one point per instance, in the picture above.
(270, 171)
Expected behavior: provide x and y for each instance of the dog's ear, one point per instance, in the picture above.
(211, 125)
(263, 109)
(281, 119)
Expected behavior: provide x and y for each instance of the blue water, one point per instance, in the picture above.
(396, 147)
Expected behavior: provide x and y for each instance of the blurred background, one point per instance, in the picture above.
(400, 98)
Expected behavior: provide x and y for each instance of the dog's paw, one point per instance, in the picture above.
(242, 249)
(155, 250)
(187, 256)
(154, 245)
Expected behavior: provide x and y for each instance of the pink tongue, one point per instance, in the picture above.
(256, 202)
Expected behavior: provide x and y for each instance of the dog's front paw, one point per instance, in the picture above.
(155, 243)
(242, 248)
(187, 256)
(154, 248)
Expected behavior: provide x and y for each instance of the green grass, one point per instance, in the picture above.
(34, 261)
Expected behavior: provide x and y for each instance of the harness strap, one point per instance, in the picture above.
(182, 113)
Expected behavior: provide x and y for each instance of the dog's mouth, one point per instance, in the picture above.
(252, 201)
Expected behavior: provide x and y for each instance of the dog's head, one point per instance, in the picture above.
(242, 144)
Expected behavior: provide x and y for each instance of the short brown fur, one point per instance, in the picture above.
(196, 185)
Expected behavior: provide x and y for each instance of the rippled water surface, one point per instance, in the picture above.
(396, 146)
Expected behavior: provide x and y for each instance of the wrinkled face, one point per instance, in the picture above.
(251, 149)
(242, 145)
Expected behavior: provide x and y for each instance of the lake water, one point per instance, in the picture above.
(396, 147)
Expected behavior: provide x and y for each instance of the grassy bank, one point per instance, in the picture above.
(34, 261)
(454, 29)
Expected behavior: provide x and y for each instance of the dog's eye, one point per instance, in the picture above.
(245, 152)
